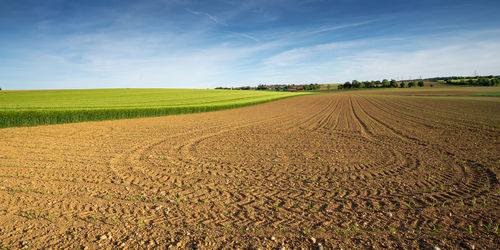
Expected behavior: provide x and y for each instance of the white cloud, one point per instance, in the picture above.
(396, 57)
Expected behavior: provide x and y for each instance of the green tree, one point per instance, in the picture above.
(355, 84)
(411, 84)
(386, 83)
(420, 83)
(394, 84)
(402, 84)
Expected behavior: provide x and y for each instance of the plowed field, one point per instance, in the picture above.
(336, 170)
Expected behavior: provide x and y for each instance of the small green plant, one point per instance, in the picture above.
(307, 230)
(395, 205)
(435, 229)
(469, 228)
(407, 204)
(474, 202)
(200, 229)
(355, 229)
(310, 205)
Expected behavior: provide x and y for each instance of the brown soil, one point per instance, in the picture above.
(341, 170)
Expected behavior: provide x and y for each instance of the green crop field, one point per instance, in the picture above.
(489, 94)
(31, 108)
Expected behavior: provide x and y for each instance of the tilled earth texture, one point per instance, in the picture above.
(355, 169)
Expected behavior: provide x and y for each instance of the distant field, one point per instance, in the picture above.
(489, 94)
(450, 91)
(31, 108)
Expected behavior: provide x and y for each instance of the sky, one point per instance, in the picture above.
(72, 44)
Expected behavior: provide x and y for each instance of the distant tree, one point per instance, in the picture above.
(261, 87)
(402, 84)
(340, 86)
(328, 86)
(354, 84)
(420, 83)
(494, 82)
(347, 85)
(386, 83)
(394, 84)
(483, 81)
(432, 85)
(362, 85)
(411, 84)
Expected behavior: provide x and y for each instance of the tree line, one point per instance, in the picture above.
(481, 81)
(379, 84)
(278, 87)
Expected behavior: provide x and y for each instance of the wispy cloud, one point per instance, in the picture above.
(211, 17)
(341, 26)
(246, 36)
(410, 56)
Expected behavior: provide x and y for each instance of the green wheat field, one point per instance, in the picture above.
(32, 108)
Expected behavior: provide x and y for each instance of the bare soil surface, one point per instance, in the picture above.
(332, 170)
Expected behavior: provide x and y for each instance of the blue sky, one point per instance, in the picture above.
(62, 44)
